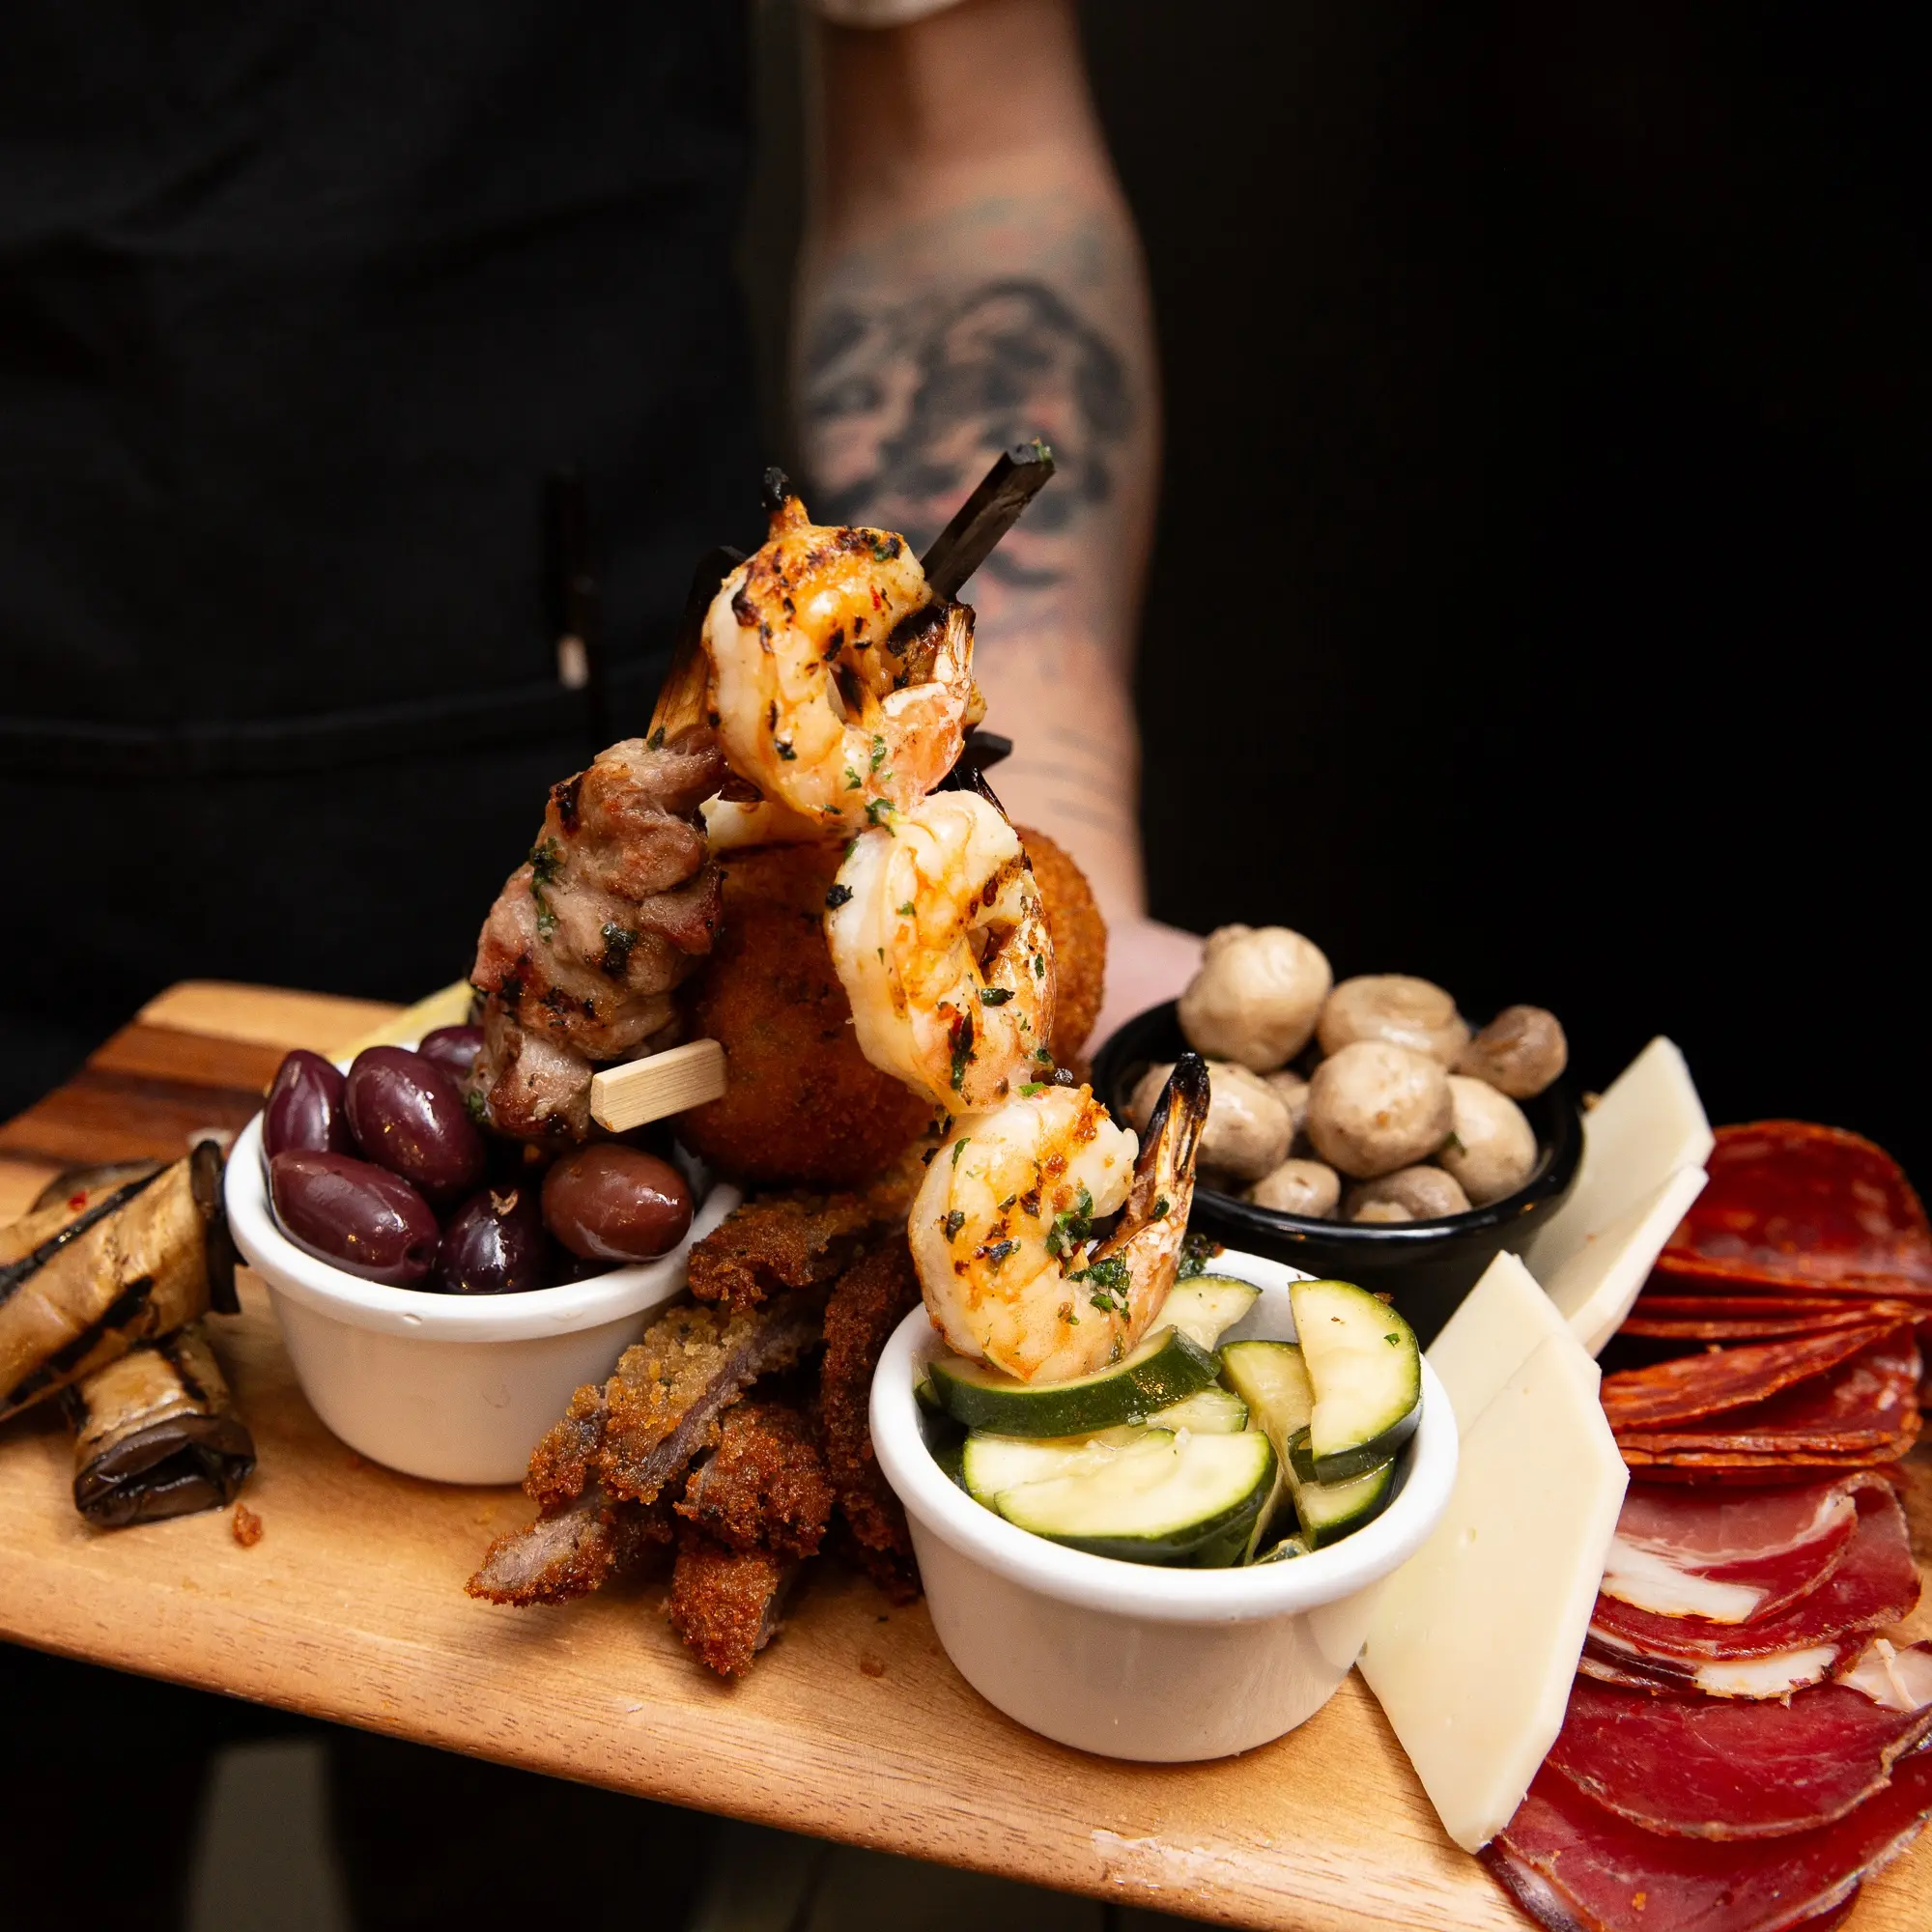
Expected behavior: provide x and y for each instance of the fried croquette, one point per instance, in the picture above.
(1079, 936)
(764, 1487)
(804, 1105)
(724, 1602)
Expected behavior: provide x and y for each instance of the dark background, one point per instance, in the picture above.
(1542, 508)
(1547, 431)
(1533, 604)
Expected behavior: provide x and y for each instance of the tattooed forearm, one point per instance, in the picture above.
(971, 282)
(915, 396)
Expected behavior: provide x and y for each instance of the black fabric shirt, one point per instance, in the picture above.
(299, 306)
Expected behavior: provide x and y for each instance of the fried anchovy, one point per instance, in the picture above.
(617, 1452)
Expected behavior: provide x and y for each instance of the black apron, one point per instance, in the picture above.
(299, 306)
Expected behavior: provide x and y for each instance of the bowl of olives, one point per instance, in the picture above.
(442, 1292)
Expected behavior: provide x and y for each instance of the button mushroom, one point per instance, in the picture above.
(1519, 1053)
(1421, 1193)
(1374, 1107)
(1381, 1210)
(1306, 1187)
(1257, 996)
(1491, 1150)
(1291, 1090)
(1248, 1129)
(1414, 1013)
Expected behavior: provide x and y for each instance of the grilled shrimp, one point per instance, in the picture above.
(1002, 1231)
(840, 687)
(940, 939)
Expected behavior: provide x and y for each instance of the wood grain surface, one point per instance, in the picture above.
(852, 1726)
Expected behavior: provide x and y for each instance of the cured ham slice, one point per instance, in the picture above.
(1775, 1675)
(1714, 1768)
(1576, 1867)
(1707, 1553)
(1790, 1205)
(1875, 1583)
(1693, 1386)
(1867, 1402)
(1739, 1467)
(1748, 1318)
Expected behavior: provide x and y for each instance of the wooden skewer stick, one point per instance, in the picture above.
(623, 1098)
(987, 516)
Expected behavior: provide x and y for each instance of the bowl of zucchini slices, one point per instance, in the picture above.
(1175, 1558)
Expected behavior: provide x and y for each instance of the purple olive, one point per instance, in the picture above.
(354, 1213)
(304, 1108)
(410, 1118)
(495, 1244)
(454, 1049)
(615, 1203)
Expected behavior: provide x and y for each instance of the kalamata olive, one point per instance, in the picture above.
(304, 1108)
(454, 1049)
(354, 1213)
(612, 1202)
(495, 1244)
(409, 1116)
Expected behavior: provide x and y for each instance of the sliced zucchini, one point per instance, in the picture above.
(1287, 1548)
(1272, 1379)
(1367, 1374)
(1206, 1306)
(995, 1463)
(1330, 1510)
(1167, 1367)
(1211, 1411)
(1178, 1500)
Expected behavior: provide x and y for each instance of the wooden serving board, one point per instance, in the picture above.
(852, 1726)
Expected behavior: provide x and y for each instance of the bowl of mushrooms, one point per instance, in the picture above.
(1359, 1129)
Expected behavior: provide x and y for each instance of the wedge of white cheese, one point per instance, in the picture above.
(1597, 1287)
(1647, 1127)
(1502, 1321)
(1474, 1642)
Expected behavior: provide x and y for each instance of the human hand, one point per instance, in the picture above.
(1147, 962)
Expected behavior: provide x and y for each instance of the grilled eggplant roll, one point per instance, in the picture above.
(82, 1281)
(155, 1435)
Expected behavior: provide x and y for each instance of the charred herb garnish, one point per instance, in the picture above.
(1071, 1226)
(954, 1221)
(959, 1147)
(546, 865)
(617, 942)
(962, 1049)
(994, 1253)
(835, 897)
(1110, 1283)
(995, 996)
(1196, 1252)
(908, 910)
(783, 748)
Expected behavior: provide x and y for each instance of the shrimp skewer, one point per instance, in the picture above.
(840, 686)
(940, 939)
(1002, 1231)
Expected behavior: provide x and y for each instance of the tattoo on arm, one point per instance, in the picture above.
(906, 401)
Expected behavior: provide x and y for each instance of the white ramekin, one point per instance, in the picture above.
(458, 1388)
(1131, 1660)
